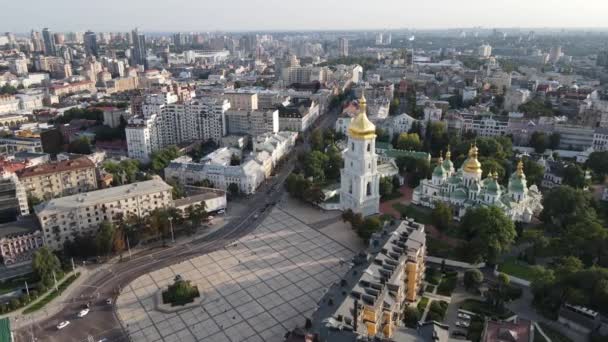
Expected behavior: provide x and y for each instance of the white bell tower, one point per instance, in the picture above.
(359, 188)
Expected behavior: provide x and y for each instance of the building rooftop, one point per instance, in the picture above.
(66, 165)
(103, 196)
(370, 282)
(205, 194)
(25, 225)
(517, 331)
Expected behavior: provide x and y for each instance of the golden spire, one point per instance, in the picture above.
(360, 127)
(448, 154)
(440, 159)
(495, 175)
(520, 168)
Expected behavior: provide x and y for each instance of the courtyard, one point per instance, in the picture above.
(257, 289)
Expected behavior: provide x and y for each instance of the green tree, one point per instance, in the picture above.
(539, 142)
(408, 141)
(314, 166)
(598, 163)
(411, 316)
(235, 160)
(386, 186)
(562, 205)
(8, 89)
(317, 143)
(334, 164)
(489, 232)
(574, 176)
(44, 264)
(104, 239)
(369, 226)
(534, 171)
(233, 189)
(442, 216)
(554, 140)
(382, 135)
(162, 158)
(80, 146)
(196, 214)
(491, 165)
(473, 278)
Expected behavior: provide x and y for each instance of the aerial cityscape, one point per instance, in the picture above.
(319, 172)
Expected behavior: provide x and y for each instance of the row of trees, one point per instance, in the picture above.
(112, 238)
(540, 141)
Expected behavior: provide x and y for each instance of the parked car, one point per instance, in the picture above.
(462, 315)
(63, 325)
(459, 333)
(109, 301)
(83, 313)
(463, 324)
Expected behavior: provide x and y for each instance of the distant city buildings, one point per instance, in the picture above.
(343, 47)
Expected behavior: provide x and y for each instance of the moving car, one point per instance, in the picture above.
(109, 301)
(63, 325)
(83, 313)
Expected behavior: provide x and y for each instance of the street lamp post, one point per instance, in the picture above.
(171, 227)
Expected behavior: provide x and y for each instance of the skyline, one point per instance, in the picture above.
(333, 15)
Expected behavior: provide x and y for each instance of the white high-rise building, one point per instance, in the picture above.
(485, 51)
(167, 122)
(359, 190)
(343, 47)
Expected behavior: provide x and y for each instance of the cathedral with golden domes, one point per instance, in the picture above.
(465, 188)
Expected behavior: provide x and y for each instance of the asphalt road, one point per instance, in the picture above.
(101, 322)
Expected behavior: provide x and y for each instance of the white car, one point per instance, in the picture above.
(83, 313)
(221, 212)
(109, 301)
(462, 324)
(463, 316)
(63, 325)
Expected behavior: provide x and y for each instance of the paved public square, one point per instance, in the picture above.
(256, 290)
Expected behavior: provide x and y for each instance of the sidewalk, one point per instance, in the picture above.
(19, 320)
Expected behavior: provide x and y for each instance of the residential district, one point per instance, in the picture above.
(388, 185)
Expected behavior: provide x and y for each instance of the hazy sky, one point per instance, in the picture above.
(227, 15)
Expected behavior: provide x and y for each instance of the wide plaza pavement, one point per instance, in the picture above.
(256, 289)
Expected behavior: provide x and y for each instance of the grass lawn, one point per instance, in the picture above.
(517, 268)
(553, 334)
(482, 308)
(419, 214)
(424, 301)
(51, 295)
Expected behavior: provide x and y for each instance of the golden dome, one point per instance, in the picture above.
(360, 127)
(472, 165)
(520, 169)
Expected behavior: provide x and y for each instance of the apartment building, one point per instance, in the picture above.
(19, 240)
(70, 88)
(298, 115)
(62, 218)
(252, 122)
(168, 122)
(242, 100)
(58, 179)
(12, 145)
(390, 282)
